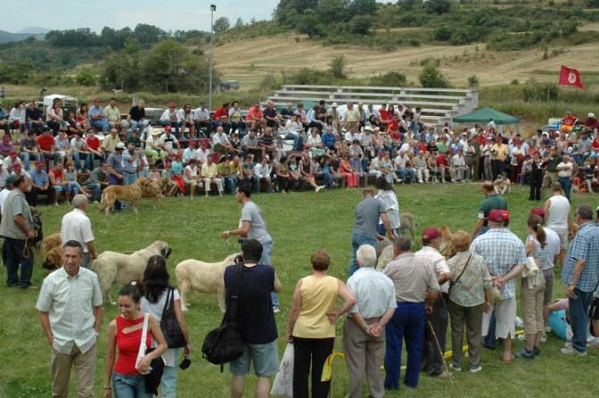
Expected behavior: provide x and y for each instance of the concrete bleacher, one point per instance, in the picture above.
(439, 105)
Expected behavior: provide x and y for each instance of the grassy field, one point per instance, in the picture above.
(299, 223)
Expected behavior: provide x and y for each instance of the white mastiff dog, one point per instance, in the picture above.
(203, 277)
(119, 269)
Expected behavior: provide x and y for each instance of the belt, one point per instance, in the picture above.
(130, 172)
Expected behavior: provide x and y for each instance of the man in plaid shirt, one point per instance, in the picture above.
(581, 274)
(505, 256)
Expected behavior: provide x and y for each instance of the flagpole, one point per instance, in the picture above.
(556, 95)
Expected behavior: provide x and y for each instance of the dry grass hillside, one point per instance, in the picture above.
(249, 61)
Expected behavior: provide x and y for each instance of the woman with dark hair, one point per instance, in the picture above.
(156, 290)
(532, 291)
(387, 195)
(55, 116)
(311, 326)
(125, 333)
(83, 117)
(536, 176)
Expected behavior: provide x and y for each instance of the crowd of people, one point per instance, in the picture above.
(291, 149)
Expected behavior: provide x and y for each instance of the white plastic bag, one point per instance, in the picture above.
(283, 384)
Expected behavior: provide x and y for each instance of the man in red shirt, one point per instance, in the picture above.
(221, 118)
(60, 183)
(255, 117)
(384, 114)
(45, 144)
(95, 148)
(568, 122)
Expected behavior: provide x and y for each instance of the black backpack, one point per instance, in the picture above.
(224, 343)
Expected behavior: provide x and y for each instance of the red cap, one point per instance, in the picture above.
(16, 166)
(38, 163)
(498, 215)
(539, 211)
(430, 234)
(167, 128)
(13, 153)
(172, 105)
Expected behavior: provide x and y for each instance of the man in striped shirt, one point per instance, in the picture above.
(364, 328)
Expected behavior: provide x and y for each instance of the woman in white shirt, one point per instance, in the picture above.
(387, 195)
(156, 292)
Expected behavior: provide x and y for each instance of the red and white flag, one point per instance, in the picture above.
(570, 77)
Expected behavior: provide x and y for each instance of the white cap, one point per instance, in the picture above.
(120, 145)
(334, 105)
(591, 115)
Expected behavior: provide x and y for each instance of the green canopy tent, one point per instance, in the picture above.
(483, 115)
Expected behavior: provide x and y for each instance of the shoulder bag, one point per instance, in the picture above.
(153, 374)
(224, 343)
(169, 324)
(453, 283)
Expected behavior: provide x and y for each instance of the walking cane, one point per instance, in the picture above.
(441, 352)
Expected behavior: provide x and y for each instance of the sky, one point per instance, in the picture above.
(117, 14)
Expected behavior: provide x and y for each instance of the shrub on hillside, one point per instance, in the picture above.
(431, 77)
(389, 79)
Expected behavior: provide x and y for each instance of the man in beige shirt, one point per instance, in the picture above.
(416, 289)
(113, 114)
(210, 176)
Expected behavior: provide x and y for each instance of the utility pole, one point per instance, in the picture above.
(212, 9)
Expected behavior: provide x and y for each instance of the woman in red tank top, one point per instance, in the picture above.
(125, 333)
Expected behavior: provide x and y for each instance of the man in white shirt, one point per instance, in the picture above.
(461, 172)
(262, 172)
(70, 311)
(557, 217)
(220, 141)
(432, 359)
(76, 226)
(170, 117)
(565, 170)
(191, 152)
(4, 193)
(201, 117)
(168, 142)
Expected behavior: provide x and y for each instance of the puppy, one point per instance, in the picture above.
(36, 241)
(445, 247)
(119, 269)
(408, 223)
(125, 193)
(203, 277)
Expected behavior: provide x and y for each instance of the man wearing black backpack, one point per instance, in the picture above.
(255, 320)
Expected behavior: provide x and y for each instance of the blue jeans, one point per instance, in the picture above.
(579, 318)
(298, 143)
(407, 323)
(129, 178)
(101, 124)
(168, 383)
(401, 173)
(267, 259)
(128, 386)
(97, 188)
(566, 184)
(26, 157)
(138, 126)
(87, 159)
(356, 242)
(231, 182)
(12, 251)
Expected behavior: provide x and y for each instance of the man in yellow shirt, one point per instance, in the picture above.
(113, 114)
(499, 154)
(210, 176)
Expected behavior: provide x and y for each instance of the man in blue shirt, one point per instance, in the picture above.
(97, 119)
(33, 116)
(581, 274)
(40, 185)
(4, 120)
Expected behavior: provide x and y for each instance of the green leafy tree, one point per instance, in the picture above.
(332, 10)
(360, 25)
(389, 79)
(85, 77)
(221, 24)
(362, 7)
(431, 77)
(337, 67)
(438, 6)
(239, 23)
(308, 24)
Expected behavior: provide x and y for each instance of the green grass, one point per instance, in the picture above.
(299, 223)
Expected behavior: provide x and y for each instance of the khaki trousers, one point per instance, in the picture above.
(363, 355)
(472, 319)
(85, 367)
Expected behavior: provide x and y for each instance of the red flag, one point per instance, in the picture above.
(570, 77)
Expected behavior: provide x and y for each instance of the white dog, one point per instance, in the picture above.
(117, 268)
(203, 277)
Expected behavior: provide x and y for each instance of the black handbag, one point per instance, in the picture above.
(169, 324)
(224, 343)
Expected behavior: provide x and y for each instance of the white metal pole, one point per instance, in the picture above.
(211, 54)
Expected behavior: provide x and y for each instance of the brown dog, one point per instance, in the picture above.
(152, 190)
(125, 193)
(407, 223)
(49, 245)
(52, 259)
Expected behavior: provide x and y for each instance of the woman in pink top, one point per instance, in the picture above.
(125, 332)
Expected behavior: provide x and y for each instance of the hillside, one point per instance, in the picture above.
(6, 37)
(250, 60)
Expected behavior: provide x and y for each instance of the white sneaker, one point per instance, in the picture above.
(319, 188)
(572, 351)
(276, 310)
(522, 337)
(544, 337)
(476, 370)
(592, 341)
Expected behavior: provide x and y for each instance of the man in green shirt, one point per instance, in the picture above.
(492, 201)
